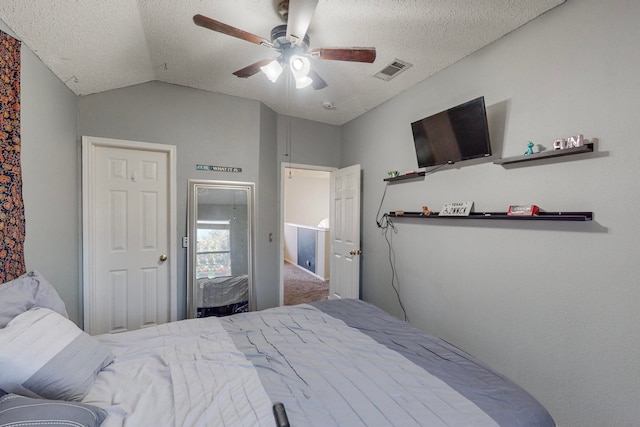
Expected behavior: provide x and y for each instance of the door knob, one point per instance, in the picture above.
(163, 258)
(355, 252)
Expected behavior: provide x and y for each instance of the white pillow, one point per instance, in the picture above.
(25, 292)
(43, 354)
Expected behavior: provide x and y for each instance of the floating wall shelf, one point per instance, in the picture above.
(404, 177)
(586, 148)
(542, 216)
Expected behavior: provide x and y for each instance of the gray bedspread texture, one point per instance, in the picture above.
(377, 371)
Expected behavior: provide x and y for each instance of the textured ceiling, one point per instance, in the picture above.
(98, 45)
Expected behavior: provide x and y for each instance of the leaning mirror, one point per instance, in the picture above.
(220, 261)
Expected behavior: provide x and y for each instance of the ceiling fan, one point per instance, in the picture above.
(292, 41)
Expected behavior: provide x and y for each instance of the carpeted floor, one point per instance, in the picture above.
(301, 287)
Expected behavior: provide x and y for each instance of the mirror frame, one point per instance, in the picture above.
(192, 216)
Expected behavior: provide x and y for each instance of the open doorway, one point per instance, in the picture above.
(305, 234)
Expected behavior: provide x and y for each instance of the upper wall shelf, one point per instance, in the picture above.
(411, 175)
(586, 148)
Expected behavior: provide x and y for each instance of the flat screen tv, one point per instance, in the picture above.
(459, 133)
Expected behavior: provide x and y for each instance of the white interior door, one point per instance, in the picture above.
(345, 233)
(129, 217)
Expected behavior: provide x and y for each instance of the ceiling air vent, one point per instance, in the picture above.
(391, 70)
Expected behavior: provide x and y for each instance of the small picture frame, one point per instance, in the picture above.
(456, 209)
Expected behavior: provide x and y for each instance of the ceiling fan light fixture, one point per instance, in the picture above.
(292, 42)
(303, 82)
(272, 70)
(299, 64)
(300, 67)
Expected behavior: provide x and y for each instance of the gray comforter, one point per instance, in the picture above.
(334, 363)
(348, 363)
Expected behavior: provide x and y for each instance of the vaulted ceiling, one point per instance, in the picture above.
(99, 45)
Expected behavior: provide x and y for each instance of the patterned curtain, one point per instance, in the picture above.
(12, 227)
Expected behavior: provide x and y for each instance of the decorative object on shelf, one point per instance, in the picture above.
(392, 174)
(529, 149)
(571, 142)
(586, 148)
(523, 210)
(399, 213)
(456, 209)
(426, 210)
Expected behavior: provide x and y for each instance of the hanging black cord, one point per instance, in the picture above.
(379, 222)
(392, 256)
(386, 224)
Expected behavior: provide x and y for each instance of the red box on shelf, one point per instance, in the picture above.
(523, 210)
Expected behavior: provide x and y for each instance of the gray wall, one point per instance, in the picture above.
(554, 306)
(312, 143)
(267, 236)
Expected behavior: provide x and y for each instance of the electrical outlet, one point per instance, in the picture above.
(185, 241)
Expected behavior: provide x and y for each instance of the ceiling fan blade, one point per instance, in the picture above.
(353, 54)
(317, 81)
(252, 69)
(300, 14)
(223, 28)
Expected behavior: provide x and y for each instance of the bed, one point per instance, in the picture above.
(331, 363)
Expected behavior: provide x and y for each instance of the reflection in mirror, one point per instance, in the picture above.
(220, 248)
